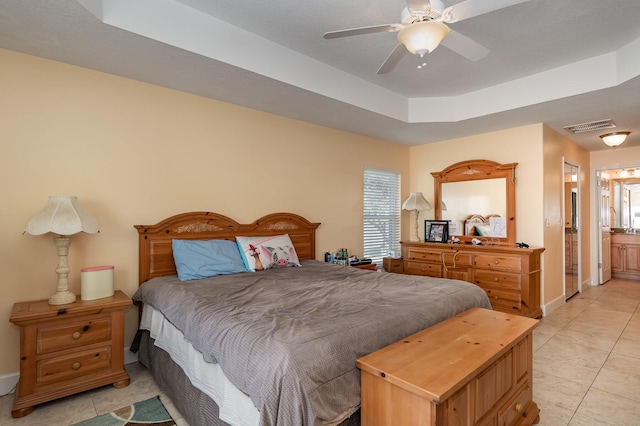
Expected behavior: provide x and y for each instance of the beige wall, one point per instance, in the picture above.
(135, 153)
(557, 149)
(522, 145)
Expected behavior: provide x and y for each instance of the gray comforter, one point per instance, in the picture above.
(289, 338)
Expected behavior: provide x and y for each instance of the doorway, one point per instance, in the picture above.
(571, 196)
(619, 223)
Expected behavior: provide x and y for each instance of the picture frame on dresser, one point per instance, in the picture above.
(436, 231)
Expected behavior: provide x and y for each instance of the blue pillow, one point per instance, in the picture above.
(196, 259)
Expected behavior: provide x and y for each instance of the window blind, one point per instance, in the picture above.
(381, 213)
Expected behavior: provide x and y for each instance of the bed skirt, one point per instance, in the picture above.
(194, 405)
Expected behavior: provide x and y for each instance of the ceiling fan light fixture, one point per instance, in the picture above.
(423, 37)
(614, 139)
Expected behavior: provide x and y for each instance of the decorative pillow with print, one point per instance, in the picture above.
(260, 253)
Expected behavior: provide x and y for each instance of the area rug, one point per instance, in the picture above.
(150, 412)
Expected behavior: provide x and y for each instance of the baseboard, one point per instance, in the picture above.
(8, 381)
(130, 357)
(553, 305)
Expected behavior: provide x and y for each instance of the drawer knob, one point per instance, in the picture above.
(495, 279)
(76, 335)
(76, 365)
(518, 407)
(495, 262)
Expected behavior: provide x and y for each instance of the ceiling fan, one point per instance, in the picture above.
(423, 27)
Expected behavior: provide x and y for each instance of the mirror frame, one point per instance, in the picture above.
(479, 170)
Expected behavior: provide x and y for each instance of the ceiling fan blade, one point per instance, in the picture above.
(464, 46)
(393, 59)
(362, 30)
(470, 8)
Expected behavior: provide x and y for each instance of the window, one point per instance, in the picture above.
(381, 213)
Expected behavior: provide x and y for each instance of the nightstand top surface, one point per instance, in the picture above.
(37, 310)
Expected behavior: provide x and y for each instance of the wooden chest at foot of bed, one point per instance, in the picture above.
(472, 369)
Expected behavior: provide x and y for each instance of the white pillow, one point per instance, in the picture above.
(260, 253)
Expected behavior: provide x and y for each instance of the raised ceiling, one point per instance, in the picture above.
(555, 62)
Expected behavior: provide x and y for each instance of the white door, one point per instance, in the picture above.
(604, 223)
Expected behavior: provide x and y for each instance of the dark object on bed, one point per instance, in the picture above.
(304, 372)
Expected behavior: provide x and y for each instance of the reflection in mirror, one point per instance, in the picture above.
(571, 236)
(481, 197)
(624, 190)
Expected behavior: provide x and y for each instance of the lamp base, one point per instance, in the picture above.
(62, 298)
(415, 237)
(62, 295)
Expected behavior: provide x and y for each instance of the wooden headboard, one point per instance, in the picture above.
(156, 255)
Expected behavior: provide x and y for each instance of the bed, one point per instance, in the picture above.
(277, 346)
(478, 226)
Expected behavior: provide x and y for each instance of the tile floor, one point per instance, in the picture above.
(586, 368)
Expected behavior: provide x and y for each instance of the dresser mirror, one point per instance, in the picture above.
(478, 197)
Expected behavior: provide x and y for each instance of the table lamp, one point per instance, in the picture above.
(415, 204)
(62, 215)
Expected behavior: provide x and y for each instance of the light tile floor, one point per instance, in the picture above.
(586, 360)
(586, 368)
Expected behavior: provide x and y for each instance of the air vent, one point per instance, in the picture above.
(590, 127)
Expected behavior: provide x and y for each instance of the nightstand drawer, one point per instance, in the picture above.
(72, 335)
(65, 368)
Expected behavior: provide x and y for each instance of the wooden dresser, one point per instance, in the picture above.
(510, 276)
(472, 369)
(66, 349)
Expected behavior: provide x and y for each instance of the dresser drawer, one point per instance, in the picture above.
(498, 280)
(424, 255)
(68, 367)
(509, 301)
(423, 268)
(73, 334)
(458, 259)
(498, 263)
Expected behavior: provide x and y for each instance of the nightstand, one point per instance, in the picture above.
(394, 265)
(66, 349)
(367, 266)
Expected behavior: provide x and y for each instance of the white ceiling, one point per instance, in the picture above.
(559, 62)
